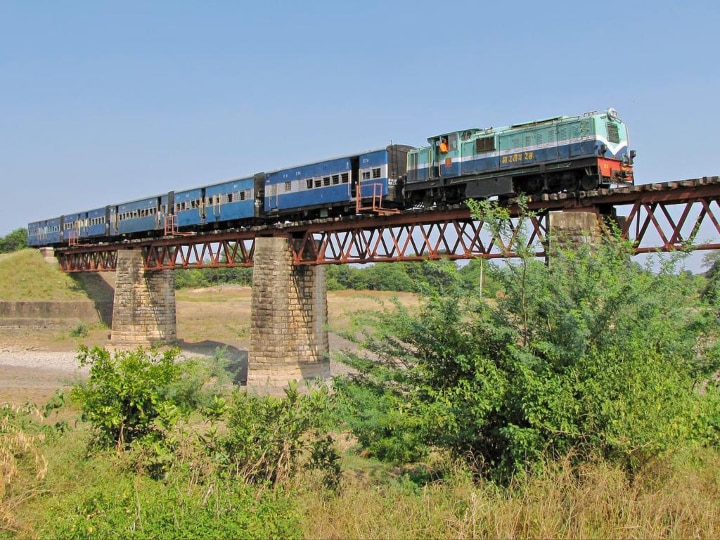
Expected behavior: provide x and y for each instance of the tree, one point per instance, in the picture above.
(592, 356)
(14, 241)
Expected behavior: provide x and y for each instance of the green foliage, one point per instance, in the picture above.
(143, 508)
(403, 276)
(269, 438)
(590, 356)
(14, 241)
(211, 277)
(80, 330)
(126, 395)
(381, 421)
(199, 382)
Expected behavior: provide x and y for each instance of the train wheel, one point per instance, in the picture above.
(588, 183)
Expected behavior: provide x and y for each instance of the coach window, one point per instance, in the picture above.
(336, 179)
(288, 186)
(326, 180)
(345, 178)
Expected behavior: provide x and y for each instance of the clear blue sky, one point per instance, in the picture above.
(106, 102)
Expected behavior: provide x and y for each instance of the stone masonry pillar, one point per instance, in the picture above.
(144, 304)
(572, 229)
(288, 334)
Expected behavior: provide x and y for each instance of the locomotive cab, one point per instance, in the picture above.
(445, 155)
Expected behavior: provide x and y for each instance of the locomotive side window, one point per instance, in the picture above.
(376, 172)
(485, 144)
(453, 142)
(366, 175)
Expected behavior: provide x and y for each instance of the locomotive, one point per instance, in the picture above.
(566, 153)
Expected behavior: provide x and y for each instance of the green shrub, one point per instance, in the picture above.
(590, 355)
(126, 395)
(269, 438)
(80, 330)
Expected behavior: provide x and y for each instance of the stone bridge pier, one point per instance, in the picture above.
(571, 229)
(288, 334)
(144, 303)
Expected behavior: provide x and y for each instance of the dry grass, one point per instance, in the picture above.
(672, 499)
(221, 315)
(20, 459)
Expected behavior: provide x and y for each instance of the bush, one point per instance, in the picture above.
(268, 439)
(591, 355)
(126, 395)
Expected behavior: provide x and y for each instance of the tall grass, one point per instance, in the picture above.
(676, 497)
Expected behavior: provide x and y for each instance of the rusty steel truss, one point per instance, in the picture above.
(656, 217)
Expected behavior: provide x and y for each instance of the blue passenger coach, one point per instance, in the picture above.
(142, 216)
(234, 200)
(190, 207)
(46, 232)
(87, 224)
(330, 187)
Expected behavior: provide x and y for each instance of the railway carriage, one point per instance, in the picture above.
(143, 216)
(88, 224)
(46, 232)
(311, 188)
(189, 207)
(234, 200)
(331, 187)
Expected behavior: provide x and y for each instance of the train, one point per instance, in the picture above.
(561, 154)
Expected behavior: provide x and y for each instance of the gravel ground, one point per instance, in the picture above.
(62, 361)
(34, 376)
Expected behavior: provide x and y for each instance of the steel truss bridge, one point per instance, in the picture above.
(655, 217)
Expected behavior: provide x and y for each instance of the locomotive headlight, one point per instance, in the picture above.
(612, 114)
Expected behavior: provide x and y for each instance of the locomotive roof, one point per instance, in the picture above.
(525, 124)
